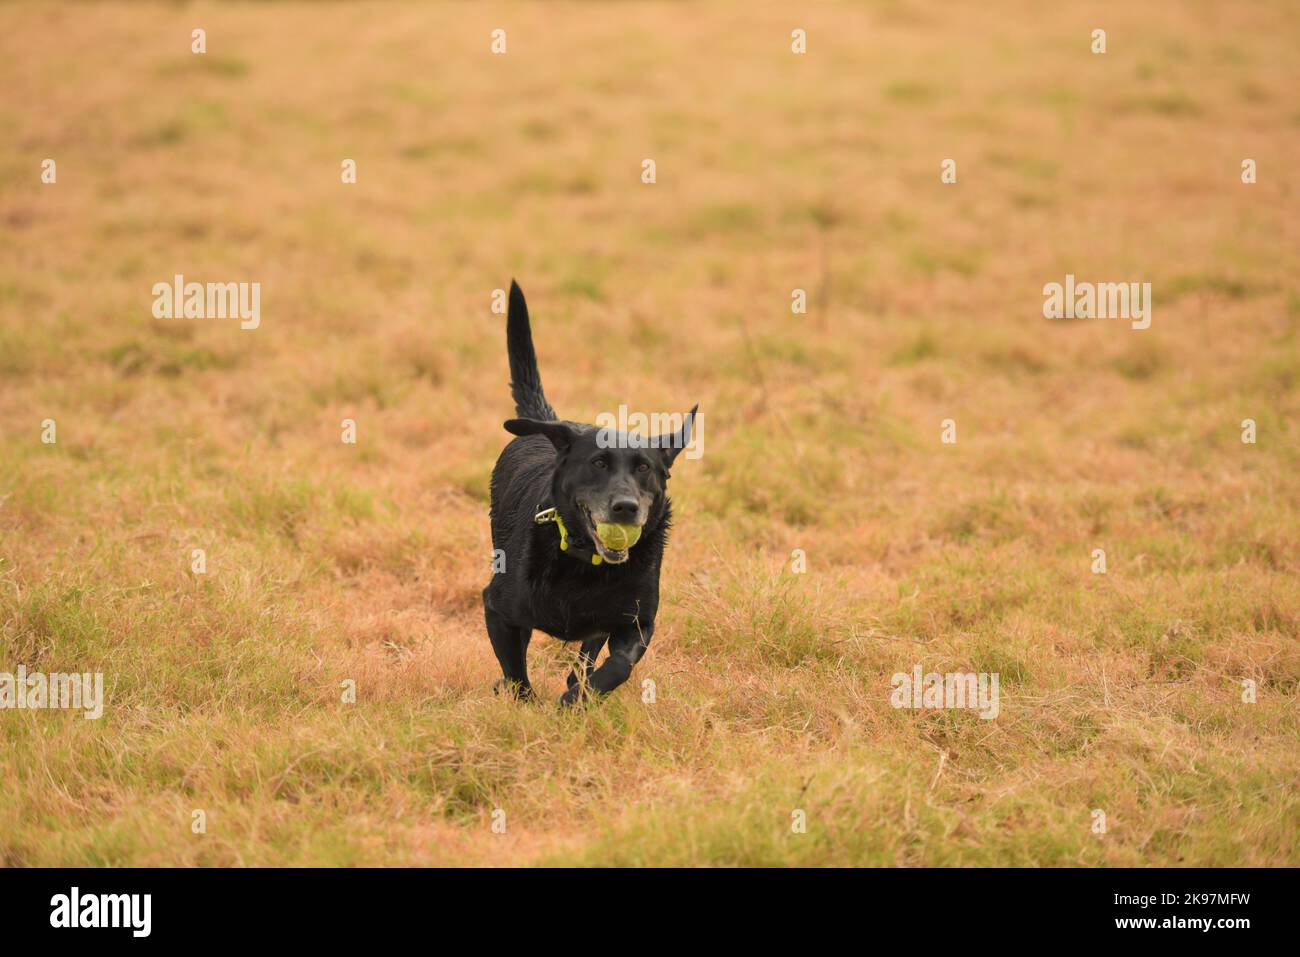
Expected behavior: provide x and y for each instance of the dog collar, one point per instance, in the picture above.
(584, 555)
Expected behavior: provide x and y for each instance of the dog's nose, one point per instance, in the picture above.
(623, 510)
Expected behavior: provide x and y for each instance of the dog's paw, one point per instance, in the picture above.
(513, 688)
(578, 695)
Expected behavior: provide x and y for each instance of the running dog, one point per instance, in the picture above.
(580, 519)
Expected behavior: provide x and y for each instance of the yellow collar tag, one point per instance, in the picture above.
(553, 515)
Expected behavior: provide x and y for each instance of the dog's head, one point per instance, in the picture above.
(606, 476)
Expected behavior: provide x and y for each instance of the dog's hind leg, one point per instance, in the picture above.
(587, 657)
(511, 646)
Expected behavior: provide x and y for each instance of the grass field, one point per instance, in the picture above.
(329, 562)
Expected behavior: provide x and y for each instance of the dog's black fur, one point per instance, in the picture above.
(560, 463)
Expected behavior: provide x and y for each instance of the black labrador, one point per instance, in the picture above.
(551, 488)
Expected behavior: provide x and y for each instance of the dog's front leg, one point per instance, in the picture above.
(626, 646)
(510, 643)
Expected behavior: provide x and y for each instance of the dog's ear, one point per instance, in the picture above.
(561, 434)
(671, 445)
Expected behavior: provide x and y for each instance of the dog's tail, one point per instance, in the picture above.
(525, 380)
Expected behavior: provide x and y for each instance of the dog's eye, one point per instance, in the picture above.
(599, 463)
(643, 467)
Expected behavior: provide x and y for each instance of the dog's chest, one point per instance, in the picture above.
(574, 610)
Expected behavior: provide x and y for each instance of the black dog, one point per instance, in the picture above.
(550, 488)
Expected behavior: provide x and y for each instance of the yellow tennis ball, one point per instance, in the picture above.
(618, 537)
